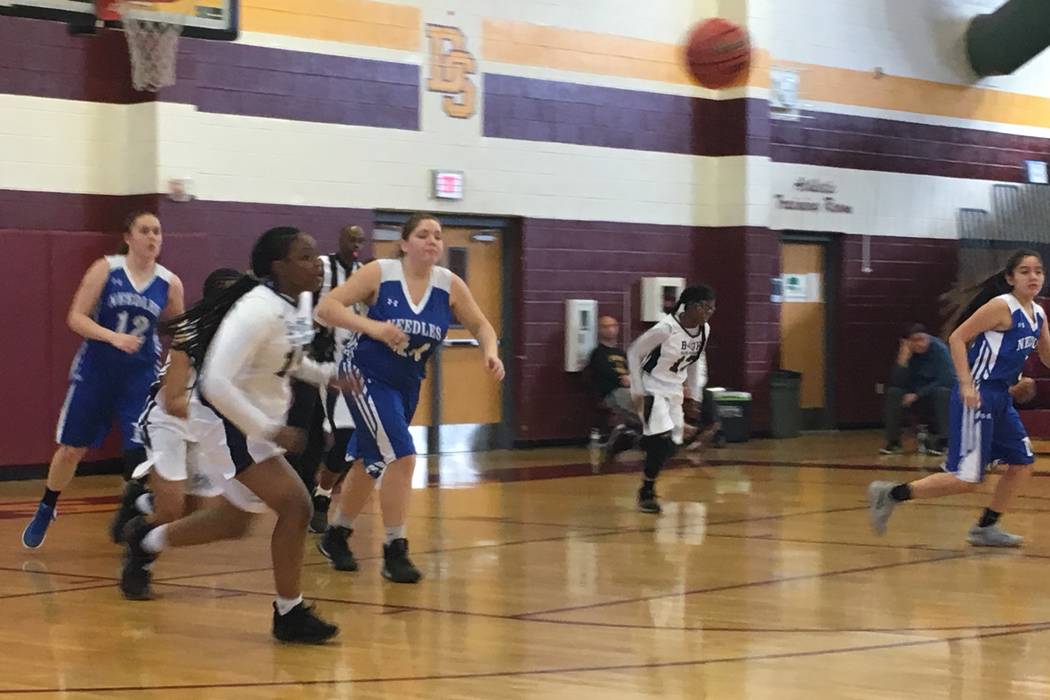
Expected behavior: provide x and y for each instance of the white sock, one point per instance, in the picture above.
(156, 539)
(285, 605)
(318, 491)
(395, 533)
(343, 521)
(144, 504)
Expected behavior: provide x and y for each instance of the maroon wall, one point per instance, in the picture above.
(907, 277)
(48, 252)
(604, 261)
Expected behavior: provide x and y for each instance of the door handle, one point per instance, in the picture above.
(460, 342)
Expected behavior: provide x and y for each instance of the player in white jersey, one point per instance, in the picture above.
(668, 367)
(997, 325)
(248, 342)
(185, 445)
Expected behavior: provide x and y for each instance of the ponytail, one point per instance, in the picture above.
(192, 331)
(961, 303)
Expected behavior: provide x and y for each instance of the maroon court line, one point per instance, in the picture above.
(90, 577)
(34, 594)
(746, 584)
(544, 472)
(559, 538)
(826, 511)
(533, 616)
(772, 538)
(542, 671)
(401, 608)
(451, 550)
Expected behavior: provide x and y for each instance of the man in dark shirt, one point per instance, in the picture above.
(922, 380)
(611, 383)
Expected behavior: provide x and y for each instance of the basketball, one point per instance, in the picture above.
(717, 53)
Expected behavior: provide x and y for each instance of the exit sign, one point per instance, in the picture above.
(446, 184)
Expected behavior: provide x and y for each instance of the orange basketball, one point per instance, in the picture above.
(717, 52)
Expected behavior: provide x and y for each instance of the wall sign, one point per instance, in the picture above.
(446, 184)
(450, 66)
(802, 198)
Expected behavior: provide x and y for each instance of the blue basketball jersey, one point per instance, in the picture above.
(425, 325)
(997, 357)
(125, 308)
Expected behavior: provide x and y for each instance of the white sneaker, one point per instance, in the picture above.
(992, 536)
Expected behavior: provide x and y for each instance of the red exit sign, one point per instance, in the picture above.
(447, 184)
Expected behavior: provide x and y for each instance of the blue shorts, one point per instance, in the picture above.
(382, 414)
(97, 396)
(978, 437)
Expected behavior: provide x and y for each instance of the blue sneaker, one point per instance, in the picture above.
(36, 530)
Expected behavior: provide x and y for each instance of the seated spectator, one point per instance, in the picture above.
(921, 382)
(610, 381)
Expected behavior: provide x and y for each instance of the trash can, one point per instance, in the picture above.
(734, 410)
(785, 411)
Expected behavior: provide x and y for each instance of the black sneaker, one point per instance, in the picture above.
(319, 522)
(893, 448)
(935, 447)
(126, 511)
(397, 567)
(135, 574)
(619, 441)
(647, 502)
(335, 546)
(301, 625)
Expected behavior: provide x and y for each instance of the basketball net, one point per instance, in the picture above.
(152, 30)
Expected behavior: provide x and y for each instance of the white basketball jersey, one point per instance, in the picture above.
(662, 358)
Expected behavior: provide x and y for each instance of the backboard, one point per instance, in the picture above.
(205, 19)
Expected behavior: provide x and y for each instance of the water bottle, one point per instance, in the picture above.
(921, 436)
(594, 447)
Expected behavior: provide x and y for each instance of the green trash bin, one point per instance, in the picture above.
(734, 411)
(785, 409)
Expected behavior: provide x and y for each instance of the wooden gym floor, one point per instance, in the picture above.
(761, 580)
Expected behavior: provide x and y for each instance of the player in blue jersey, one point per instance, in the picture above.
(411, 300)
(116, 309)
(997, 324)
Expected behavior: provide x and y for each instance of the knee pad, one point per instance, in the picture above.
(335, 461)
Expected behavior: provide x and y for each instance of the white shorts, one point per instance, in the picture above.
(336, 412)
(243, 452)
(198, 450)
(242, 497)
(192, 450)
(662, 413)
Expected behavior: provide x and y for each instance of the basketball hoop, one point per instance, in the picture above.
(152, 30)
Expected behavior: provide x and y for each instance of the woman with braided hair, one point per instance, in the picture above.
(248, 342)
(668, 367)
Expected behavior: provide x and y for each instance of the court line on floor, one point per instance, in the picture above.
(609, 532)
(1036, 628)
(559, 538)
(534, 616)
(20, 570)
(796, 540)
(749, 584)
(400, 608)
